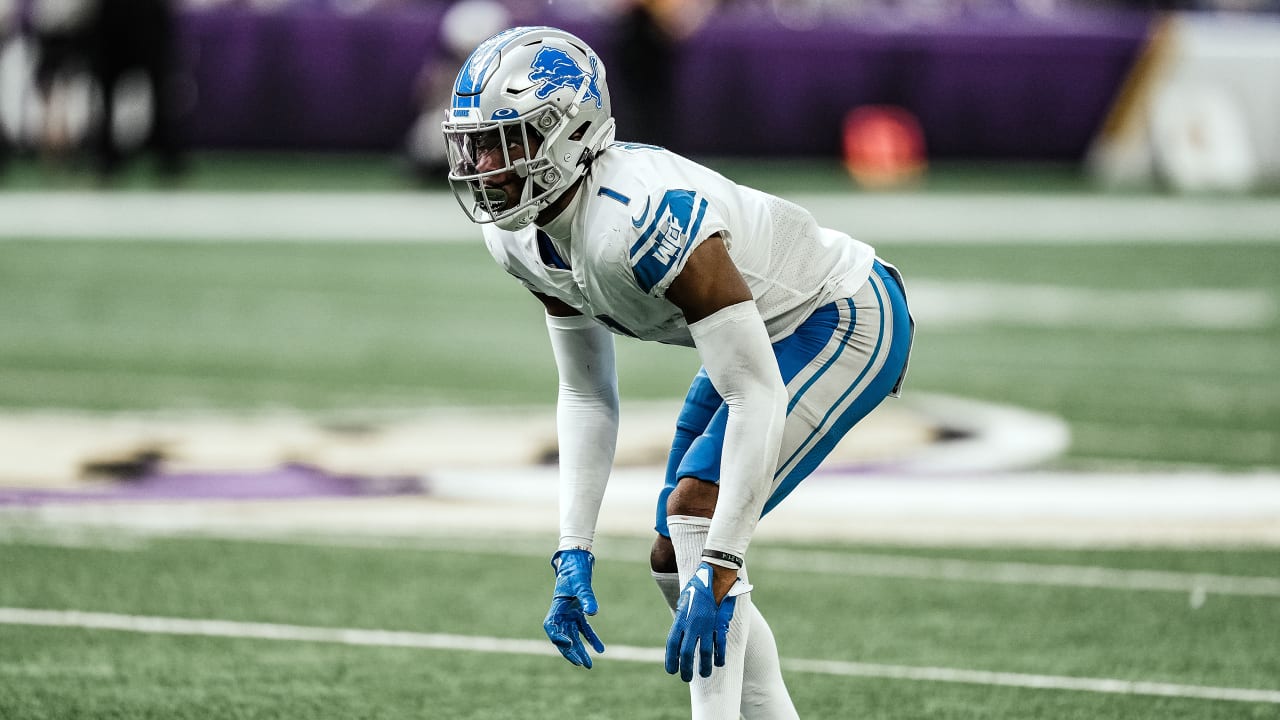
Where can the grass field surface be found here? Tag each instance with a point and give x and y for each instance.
(1161, 354)
(1165, 638)
(147, 325)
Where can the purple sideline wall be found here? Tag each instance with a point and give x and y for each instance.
(995, 87)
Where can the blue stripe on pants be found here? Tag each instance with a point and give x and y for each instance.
(699, 438)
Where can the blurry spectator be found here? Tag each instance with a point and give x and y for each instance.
(8, 31)
(61, 29)
(136, 36)
(649, 33)
(464, 25)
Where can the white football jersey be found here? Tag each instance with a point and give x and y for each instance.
(642, 210)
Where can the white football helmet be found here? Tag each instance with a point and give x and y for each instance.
(530, 110)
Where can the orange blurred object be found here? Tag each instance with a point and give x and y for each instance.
(883, 146)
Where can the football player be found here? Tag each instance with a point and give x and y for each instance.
(801, 331)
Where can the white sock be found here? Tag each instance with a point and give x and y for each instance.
(764, 695)
(718, 697)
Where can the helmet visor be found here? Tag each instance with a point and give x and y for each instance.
(490, 164)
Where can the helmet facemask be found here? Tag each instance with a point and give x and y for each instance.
(516, 149)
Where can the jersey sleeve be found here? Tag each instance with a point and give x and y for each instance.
(671, 226)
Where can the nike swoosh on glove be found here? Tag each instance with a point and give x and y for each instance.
(573, 600)
(701, 625)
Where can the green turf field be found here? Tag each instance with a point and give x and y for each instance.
(143, 325)
(91, 324)
(120, 325)
(1227, 641)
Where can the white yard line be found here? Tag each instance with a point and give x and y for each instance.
(625, 653)
(434, 217)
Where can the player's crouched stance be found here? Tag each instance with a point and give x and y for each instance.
(801, 331)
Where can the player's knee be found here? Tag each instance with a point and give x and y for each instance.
(693, 497)
(662, 558)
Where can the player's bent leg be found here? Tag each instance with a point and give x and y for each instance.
(662, 556)
(663, 568)
(838, 366)
(761, 692)
(701, 405)
(863, 362)
(764, 694)
(692, 497)
(718, 697)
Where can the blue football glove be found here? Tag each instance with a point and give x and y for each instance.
(573, 600)
(700, 624)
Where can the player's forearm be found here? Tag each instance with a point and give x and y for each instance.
(586, 422)
(588, 433)
(738, 357)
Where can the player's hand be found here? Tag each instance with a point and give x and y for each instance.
(701, 625)
(573, 600)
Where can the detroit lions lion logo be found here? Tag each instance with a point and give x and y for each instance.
(555, 70)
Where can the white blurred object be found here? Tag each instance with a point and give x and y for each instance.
(468, 23)
(68, 111)
(131, 123)
(1200, 108)
(61, 15)
(1200, 139)
(8, 15)
(464, 25)
(17, 70)
(57, 119)
(205, 4)
(425, 143)
(269, 5)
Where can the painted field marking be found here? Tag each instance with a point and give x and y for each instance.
(625, 653)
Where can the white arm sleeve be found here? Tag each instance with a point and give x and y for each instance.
(586, 422)
(736, 352)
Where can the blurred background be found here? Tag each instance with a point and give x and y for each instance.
(248, 341)
(229, 220)
(237, 209)
(1178, 94)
